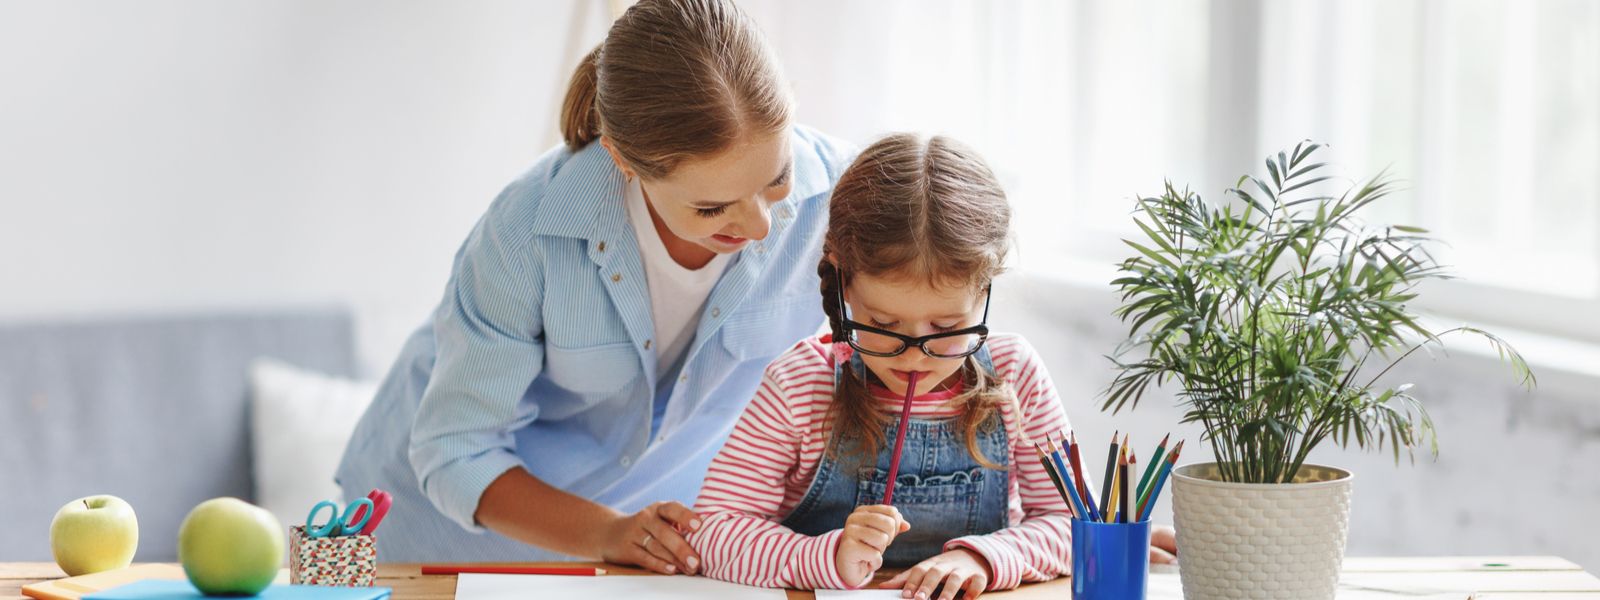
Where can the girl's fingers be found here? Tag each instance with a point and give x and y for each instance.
(879, 522)
(1161, 557)
(678, 515)
(887, 511)
(975, 586)
(667, 543)
(896, 581)
(870, 538)
(1165, 538)
(952, 584)
(930, 580)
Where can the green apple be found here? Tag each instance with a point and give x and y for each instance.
(229, 546)
(94, 534)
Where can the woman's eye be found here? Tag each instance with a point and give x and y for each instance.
(711, 212)
(784, 180)
(879, 325)
(944, 328)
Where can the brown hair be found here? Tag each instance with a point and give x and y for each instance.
(914, 207)
(675, 79)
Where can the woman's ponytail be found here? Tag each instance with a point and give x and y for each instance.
(580, 120)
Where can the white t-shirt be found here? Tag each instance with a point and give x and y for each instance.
(677, 294)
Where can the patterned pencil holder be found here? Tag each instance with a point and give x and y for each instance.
(348, 560)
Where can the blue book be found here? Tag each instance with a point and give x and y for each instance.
(168, 589)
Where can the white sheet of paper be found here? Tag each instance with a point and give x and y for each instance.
(858, 594)
(481, 586)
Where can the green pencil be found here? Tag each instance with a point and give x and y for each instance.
(1150, 469)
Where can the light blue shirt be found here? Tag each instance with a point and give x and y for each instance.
(539, 356)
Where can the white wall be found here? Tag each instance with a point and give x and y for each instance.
(170, 155)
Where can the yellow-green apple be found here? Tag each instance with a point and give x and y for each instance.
(229, 546)
(94, 534)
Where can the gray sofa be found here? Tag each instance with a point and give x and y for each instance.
(154, 410)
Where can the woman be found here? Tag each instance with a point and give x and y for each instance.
(609, 317)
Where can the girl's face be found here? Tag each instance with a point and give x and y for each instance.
(912, 307)
(721, 202)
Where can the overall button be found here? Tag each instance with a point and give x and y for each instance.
(626, 461)
(615, 277)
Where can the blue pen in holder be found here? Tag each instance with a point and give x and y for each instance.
(1110, 560)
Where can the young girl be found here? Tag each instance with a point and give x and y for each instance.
(918, 230)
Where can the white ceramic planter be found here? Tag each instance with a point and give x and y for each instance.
(1239, 541)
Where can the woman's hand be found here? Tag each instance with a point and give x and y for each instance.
(867, 534)
(653, 538)
(960, 570)
(1163, 545)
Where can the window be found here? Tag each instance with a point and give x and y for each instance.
(1488, 111)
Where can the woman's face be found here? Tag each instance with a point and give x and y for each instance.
(721, 202)
(912, 307)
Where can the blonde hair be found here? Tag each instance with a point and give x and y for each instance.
(914, 207)
(675, 79)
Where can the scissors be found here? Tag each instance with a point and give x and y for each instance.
(360, 516)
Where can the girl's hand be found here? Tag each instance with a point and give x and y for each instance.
(653, 538)
(867, 534)
(960, 570)
(1163, 545)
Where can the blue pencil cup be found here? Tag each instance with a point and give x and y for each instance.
(1110, 560)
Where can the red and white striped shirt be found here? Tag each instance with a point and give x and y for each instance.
(773, 453)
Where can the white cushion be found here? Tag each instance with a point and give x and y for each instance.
(300, 423)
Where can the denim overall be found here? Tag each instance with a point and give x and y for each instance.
(940, 490)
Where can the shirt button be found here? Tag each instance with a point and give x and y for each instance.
(661, 438)
(683, 378)
(626, 461)
(615, 277)
(715, 312)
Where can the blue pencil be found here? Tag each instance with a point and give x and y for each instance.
(1161, 479)
(1072, 491)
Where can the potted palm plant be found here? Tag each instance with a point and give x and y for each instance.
(1278, 316)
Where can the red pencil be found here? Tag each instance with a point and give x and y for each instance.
(1077, 473)
(899, 440)
(506, 570)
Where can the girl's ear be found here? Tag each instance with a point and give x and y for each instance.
(617, 158)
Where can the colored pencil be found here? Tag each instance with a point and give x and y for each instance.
(1150, 469)
(508, 570)
(1068, 492)
(899, 440)
(1123, 468)
(1076, 458)
(1161, 480)
(1111, 501)
(1055, 477)
(1106, 506)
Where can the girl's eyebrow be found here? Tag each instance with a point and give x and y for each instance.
(882, 313)
(711, 205)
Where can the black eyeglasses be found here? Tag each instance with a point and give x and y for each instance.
(884, 343)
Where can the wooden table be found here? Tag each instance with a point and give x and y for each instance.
(1475, 578)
